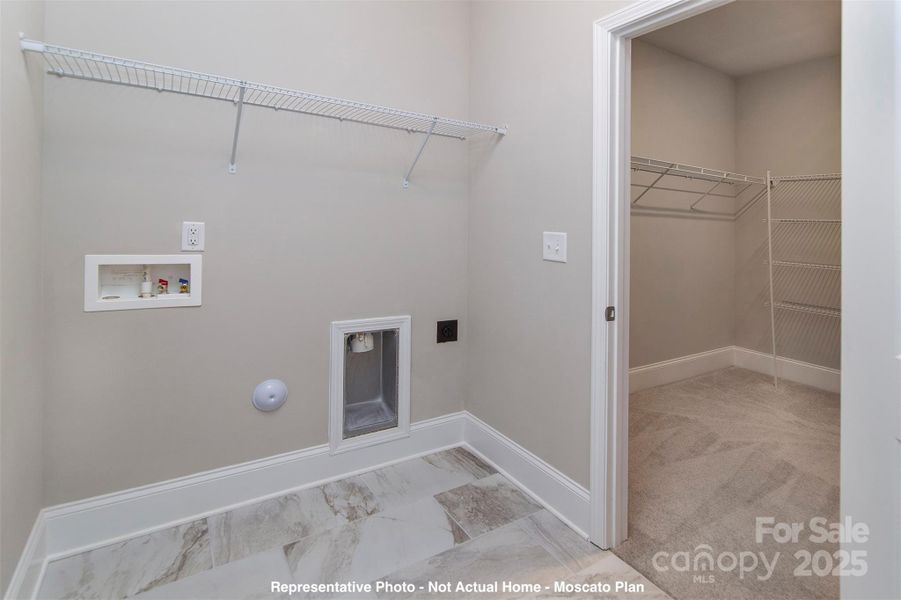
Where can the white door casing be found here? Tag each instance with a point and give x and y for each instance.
(610, 255)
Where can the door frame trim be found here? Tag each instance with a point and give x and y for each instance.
(610, 255)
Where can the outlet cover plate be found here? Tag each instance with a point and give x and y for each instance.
(193, 236)
(554, 246)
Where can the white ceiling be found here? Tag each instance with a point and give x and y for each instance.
(748, 36)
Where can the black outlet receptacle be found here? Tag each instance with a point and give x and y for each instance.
(447, 331)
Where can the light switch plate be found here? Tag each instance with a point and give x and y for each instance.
(193, 236)
(554, 246)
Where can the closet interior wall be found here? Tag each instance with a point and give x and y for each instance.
(682, 284)
(699, 284)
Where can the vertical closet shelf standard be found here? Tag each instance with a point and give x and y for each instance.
(799, 225)
(91, 66)
(804, 227)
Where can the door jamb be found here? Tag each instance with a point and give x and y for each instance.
(610, 256)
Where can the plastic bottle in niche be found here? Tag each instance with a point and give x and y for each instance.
(146, 286)
(163, 287)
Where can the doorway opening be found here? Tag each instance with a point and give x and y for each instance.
(717, 238)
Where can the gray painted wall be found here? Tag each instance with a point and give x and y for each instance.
(682, 287)
(314, 228)
(530, 320)
(21, 395)
(789, 119)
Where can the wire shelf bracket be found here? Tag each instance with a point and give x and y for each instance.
(813, 309)
(232, 166)
(92, 66)
(406, 183)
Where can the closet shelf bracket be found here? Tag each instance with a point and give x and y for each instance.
(428, 135)
(232, 166)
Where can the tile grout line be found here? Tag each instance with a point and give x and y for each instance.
(209, 546)
(540, 545)
(546, 539)
(451, 517)
(209, 531)
(283, 551)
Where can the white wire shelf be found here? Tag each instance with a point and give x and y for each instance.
(804, 265)
(92, 66)
(800, 221)
(703, 184)
(692, 172)
(818, 177)
(809, 308)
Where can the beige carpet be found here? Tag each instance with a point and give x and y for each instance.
(710, 454)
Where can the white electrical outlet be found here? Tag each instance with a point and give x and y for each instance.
(192, 236)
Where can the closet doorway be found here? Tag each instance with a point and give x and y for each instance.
(723, 406)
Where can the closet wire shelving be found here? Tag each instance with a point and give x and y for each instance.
(697, 188)
(801, 238)
(804, 255)
(92, 66)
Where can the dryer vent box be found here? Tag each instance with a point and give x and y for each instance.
(370, 382)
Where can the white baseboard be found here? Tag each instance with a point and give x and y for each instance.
(561, 495)
(79, 526)
(822, 378)
(683, 367)
(676, 369)
(85, 524)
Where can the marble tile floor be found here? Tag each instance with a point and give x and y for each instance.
(444, 517)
